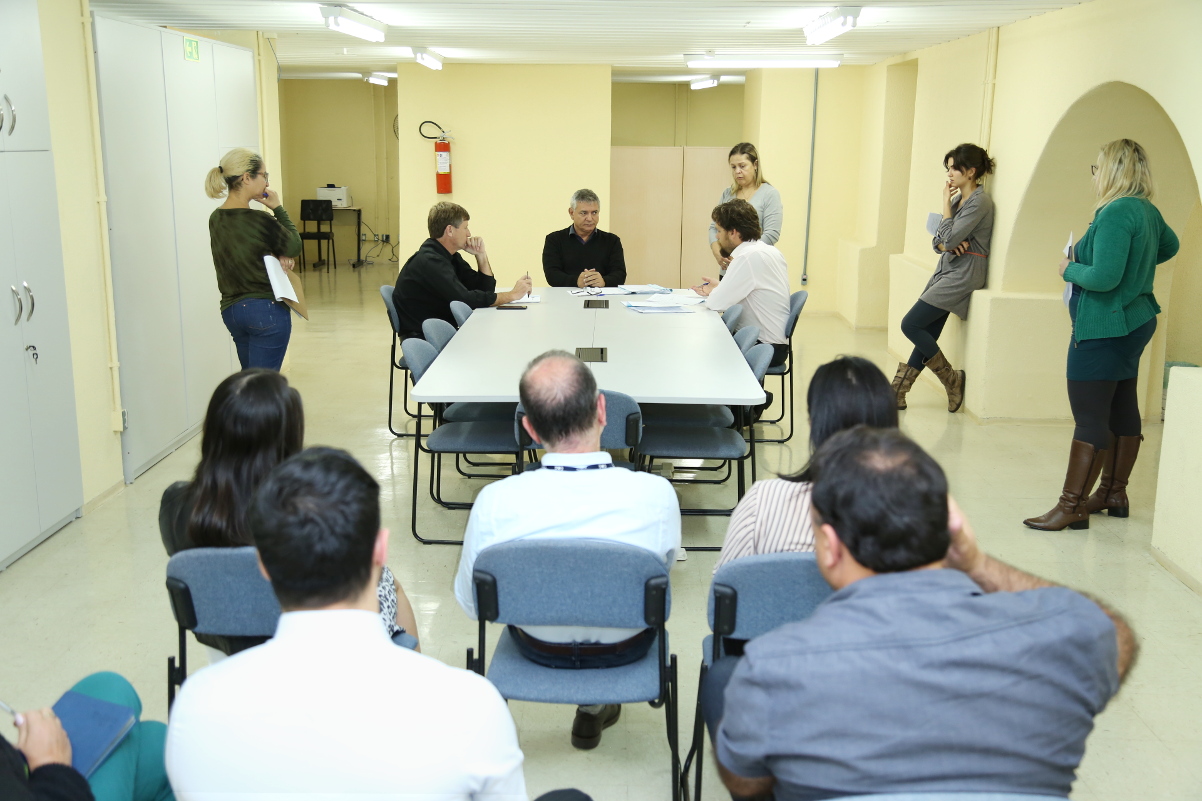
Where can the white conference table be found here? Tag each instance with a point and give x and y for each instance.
(654, 358)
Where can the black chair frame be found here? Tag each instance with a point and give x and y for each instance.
(726, 612)
(185, 618)
(308, 215)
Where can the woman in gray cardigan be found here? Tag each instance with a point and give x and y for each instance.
(749, 185)
(962, 242)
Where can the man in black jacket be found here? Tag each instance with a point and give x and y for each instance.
(581, 255)
(436, 274)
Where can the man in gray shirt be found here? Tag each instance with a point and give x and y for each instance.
(932, 667)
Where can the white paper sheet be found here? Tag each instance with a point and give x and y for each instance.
(658, 308)
(594, 291)
(1068, 287)
(643, 289)
(281, 287)
(934, 219)
(526, 299)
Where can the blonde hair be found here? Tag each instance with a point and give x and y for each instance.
(229, 172)
(1123, 171)
(747, 149)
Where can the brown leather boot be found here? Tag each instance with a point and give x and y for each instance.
(953, 380)
(1084, 464)
(902, 382)
(1111, 495)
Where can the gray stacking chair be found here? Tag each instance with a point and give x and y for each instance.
(749, 597)
(437, 332)
(460, 311)
(731, 317)
(492, 437)
(757, 359)
(623, 427)
(576, 582)
(746, 338)
(395, 363)
(217, 591)
(797, 302)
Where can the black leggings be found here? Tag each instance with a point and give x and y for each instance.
(922, 325)
(1102, 408)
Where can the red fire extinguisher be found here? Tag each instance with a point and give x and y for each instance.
(442, 156)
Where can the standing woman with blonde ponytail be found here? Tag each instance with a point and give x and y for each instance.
(241, 237)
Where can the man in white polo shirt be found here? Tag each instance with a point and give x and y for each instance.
(757, 277)
(577, 493)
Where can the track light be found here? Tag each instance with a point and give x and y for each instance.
(378, 80)
(704, 83)
(831, 24)
(427, 59)
(352, 23)
(753, 62)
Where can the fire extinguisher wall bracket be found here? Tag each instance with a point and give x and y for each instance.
(442, 156)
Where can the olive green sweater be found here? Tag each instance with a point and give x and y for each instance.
(240, 239)
(1115, 265)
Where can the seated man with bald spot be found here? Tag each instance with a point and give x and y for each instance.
(577, 493)
(583, 255)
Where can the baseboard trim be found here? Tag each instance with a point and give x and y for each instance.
(91, 505)
(1179, 573)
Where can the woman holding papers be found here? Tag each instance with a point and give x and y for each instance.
(1113, 311)
(961, 239)
(241, 237)
(747, 183)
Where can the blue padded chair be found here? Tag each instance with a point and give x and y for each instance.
(493, 437)
(758, 359)
(437, 332)
(732, 316)
(460, 311)
(748, 597)
(567, 582)
(623, 427)
(395, 363)
(217, 591)
(746, 337)
(797, 302)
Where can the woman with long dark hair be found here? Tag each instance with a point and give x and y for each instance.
(1113, 310)
(254, 421)
(774, 515)
(962, 242)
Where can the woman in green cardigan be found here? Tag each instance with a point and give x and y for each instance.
(1114, 313)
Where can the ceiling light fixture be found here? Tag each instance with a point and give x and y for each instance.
(353, 23)
(427, 59)
(704, 83)
(754, 62)
(378, 80)
(836, 21)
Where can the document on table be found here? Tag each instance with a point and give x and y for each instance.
(658, 308)
(1068, 287)
(934, 220)
(526, 299)
(643, 289)
(672, 300)
(593, 291)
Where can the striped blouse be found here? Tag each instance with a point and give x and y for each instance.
(773, 516)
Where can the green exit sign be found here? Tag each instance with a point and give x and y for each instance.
(191, 49)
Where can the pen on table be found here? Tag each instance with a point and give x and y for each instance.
(16, 715)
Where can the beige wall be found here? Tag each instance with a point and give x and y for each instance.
(67, 52)
(1175, 541)
(520, 150)
(667, 115)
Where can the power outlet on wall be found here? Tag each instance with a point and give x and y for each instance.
(387, 238)
(376, 237)
(362, 237)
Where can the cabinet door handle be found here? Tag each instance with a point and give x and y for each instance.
(29, 292)
(12, 110)
(20, 304)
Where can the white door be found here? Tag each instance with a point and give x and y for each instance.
(133, 112)
(37, 256)
(26, 123)
(18, 489)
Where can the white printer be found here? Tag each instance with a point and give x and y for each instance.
(340, 195)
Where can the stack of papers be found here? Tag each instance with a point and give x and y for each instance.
(643, 289)
(657, 308)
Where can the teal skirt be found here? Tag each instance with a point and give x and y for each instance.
(1108, 358)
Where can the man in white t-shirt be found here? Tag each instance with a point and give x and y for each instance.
(330, 708)
(577, 493)
(757, 278)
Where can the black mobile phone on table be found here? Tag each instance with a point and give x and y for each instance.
(507, 308)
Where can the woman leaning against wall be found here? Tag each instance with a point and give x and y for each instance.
(1113, 311)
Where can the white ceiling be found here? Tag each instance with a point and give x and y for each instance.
(636, 37)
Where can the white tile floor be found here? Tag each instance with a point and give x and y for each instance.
(92, 596)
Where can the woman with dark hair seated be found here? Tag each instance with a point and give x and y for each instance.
(254, 422)
(774, 515)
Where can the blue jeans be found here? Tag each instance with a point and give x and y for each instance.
(261, 329)
(135, 770)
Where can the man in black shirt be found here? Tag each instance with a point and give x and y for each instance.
(436, 274)
(581, 255)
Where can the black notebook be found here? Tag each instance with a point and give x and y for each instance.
(94, 728)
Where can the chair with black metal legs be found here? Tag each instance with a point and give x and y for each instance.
(797, 302)
(460, 311)
(748, 597)
(490, 437)
(396, 363)
(567, 582)
(318, 211)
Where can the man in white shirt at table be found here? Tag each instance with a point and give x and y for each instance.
(577, 493)
(330, 707)
(757, 277)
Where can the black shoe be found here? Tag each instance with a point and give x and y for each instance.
(586, 729)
